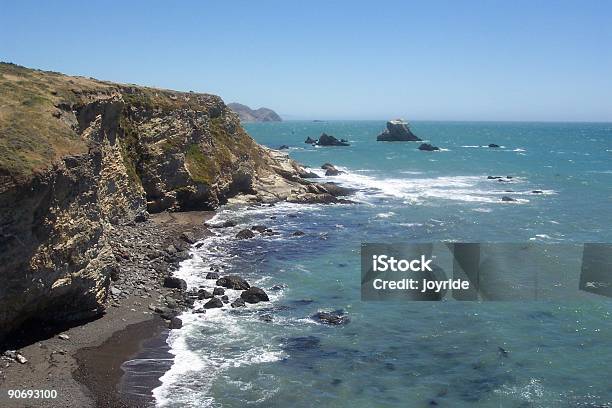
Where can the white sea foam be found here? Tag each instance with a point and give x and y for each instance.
(221, 325)
(421, 190)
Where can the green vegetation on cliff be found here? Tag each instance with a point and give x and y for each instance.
(43, 115)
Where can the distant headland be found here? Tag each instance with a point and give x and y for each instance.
(254, 115)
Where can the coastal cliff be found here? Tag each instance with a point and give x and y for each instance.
(79, 157)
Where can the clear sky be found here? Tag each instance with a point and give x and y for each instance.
(431, 60)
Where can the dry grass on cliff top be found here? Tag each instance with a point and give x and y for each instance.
(33, 131)
(30, 136)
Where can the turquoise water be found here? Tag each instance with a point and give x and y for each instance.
(406, 354)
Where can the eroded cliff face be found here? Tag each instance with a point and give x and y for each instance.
(78, 156)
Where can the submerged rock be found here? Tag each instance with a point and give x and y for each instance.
(245, 234)
(397, 131)
(218, 291)
(335, 318)
(283, 147)
(328, 140)
(254, 295)
(493, 145)
(233, 282)
(310, 140)
(212, 275)
(428, 147)
(266, 318)
(301, 343)
(507, 199)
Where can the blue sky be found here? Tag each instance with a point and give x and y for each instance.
(435, 60)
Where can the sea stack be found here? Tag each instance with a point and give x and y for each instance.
(397, 130)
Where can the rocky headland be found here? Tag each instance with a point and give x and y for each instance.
(97, 184)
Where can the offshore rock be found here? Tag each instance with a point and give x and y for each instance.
(327, 140)
(428, 147)
(397, 131)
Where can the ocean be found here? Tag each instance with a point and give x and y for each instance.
(409, 354)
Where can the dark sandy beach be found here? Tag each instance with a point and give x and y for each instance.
(85, 367)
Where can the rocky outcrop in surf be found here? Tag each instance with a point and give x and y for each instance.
(397, 131)
(328, 140)
(428, 147)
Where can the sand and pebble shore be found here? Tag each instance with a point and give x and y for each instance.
(83, 363)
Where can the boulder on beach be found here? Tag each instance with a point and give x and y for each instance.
(175, 283)
(397, 131)
(233, 282)
(310, 140)
(254, 295)
(428, 147)
(245, 234)
(328, 140)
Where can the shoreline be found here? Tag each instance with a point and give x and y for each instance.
(102, 369)
(83, 363)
